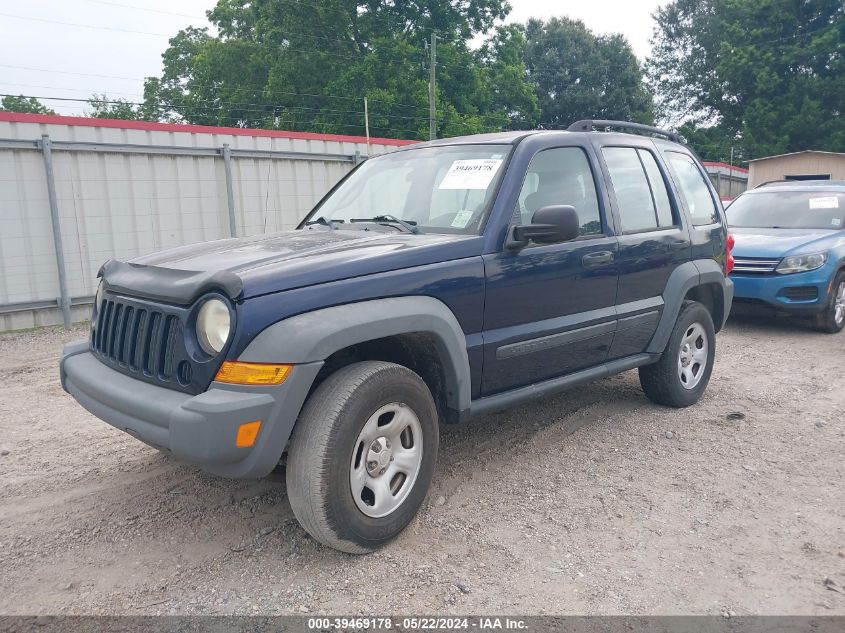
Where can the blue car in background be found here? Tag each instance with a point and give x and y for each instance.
(789, 250)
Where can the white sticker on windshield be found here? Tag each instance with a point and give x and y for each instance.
(830, 202)
(836, 222)
(462, 219)
(476, 173)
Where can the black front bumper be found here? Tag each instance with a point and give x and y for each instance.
(196, 428)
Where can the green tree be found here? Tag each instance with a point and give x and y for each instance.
(503, 57)
(29, 105)
(102, 107)
(578, 74)
(308, 66)
(767, 73)
(713, 142)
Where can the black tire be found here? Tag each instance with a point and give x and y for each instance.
(323, 445)
(826, 321)
(661, 381)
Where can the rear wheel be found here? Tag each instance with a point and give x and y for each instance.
(681, 375)
(832, 319)
(362, 456)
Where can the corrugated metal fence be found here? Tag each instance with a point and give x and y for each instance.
(75, 192)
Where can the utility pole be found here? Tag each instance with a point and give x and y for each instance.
(367, 124)
(432, 108)
(731, 175)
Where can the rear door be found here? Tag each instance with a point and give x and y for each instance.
(653, 241)
(708, 232)
(550, 307)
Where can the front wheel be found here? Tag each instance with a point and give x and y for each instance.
(362, 456)
(832, 320)
(681, 375)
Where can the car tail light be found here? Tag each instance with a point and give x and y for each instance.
(729, 260)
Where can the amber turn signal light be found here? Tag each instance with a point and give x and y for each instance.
(237, 373)
(247, 434)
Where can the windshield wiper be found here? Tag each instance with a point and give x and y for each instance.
(390, 220)
(324, 222)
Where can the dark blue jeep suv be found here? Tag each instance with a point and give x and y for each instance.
(435, 283)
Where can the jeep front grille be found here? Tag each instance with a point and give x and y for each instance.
(754, 265)
(136, 338)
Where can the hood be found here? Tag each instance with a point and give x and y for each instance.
(286, 260)
(777, 243)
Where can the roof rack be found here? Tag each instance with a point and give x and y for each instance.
(587, 125)
(797, 182)
(768, 182)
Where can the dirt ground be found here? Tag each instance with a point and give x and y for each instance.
(592, 502)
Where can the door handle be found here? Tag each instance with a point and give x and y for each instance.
(679, 244)
(597, 259)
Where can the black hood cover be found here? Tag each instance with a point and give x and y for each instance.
(170, 285)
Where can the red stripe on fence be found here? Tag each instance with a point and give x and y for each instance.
(50, 119)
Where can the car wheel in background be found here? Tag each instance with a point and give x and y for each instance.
(681, 375)
(362, 455)
(832, 319)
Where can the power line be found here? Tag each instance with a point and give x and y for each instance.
(159, 104)
(148, 10)
(211, 103)
(262, 107)
(276, 118)
(211, 109)
(193, 86)
(65, 72)
(169, 35)
(79, 25)
(89, 91)
(242, 89)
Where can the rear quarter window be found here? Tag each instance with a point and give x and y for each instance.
(693, 187)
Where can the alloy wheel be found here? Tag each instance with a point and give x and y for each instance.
(839, 304)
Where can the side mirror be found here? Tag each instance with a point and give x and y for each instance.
(552, 224)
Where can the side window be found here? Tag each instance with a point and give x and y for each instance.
(561, 176)
(658, 189)
(640, 190)
(693, 188)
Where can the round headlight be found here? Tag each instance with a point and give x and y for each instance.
(213, 326)
(98, 298)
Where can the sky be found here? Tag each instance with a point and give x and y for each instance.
(74, 48)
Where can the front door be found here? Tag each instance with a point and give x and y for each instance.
(550, 307)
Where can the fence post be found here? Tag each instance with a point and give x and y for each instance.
(64, 298)
(230, 190)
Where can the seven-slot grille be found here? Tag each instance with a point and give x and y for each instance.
(140, 339)
(755, 265)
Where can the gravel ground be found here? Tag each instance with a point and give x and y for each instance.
(592, 502)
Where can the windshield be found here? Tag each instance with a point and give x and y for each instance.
(789, 210)
(434, 189)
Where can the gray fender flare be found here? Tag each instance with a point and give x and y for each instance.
(314, 336)
(682, 280)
